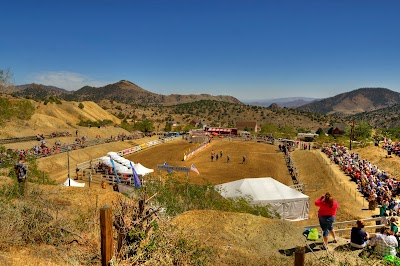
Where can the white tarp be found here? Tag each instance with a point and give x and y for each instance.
(289, 203)
(72, 183)
(141, 170)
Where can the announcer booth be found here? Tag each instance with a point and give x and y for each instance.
(221, 131)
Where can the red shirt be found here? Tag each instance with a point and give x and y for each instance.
(325, 209)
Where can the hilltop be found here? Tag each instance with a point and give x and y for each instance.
(123, 91)
(356, 101)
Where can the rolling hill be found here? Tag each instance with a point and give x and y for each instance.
(123, 91)
(353, 102)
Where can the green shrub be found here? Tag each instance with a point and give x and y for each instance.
(24, 109)
(81, 106)
(178, 197)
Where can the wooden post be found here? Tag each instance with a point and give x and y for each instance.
(299, 256)
(106, 235)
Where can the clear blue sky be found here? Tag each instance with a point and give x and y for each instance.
(247, 49)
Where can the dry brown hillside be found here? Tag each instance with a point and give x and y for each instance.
(56, 117)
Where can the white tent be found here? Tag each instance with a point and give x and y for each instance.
(289, 203)
(121, 169)
(141, 170)
(72, 183)
(106, 160)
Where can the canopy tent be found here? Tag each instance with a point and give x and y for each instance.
(289, 203)
(126, 162)
(106, 160)
(141, 170)
(121, 169)
(71, 183)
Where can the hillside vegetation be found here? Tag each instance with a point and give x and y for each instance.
(123, 91)
(356, 101)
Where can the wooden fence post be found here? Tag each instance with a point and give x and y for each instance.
(299, 256)
(106, 235)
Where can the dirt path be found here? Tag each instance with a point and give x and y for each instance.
(321, 177)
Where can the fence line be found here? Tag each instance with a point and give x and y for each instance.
(342, 227)
(198, 149)
(122, 153)
(335, 177)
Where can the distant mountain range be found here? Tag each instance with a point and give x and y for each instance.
(362, 103)
(289, 102)
(122, 91)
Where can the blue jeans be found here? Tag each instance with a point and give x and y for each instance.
(326, 223)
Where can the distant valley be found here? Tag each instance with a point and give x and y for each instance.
(289, 102)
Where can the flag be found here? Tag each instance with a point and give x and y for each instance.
(194, 169)
(115, 171)
(136, 178)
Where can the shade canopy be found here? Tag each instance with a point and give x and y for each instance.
(289, 203)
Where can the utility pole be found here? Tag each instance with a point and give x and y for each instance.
(351, 133)
(69, 177)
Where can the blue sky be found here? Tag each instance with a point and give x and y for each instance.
(247, 49)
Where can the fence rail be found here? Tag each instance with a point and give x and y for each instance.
(91, 163)
(342, 227)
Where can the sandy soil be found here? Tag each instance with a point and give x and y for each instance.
(262, 160)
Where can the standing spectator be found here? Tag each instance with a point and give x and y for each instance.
(359, 237)
(326, 215)
(76, 133)
(384, 242)
(244, 159)
(220, 154)
(228, 158)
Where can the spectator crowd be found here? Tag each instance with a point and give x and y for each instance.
(378, 186)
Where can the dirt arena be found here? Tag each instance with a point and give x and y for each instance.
(262, 160)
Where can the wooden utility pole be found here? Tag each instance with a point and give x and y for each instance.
(351, 134)
(106, 235)
(299, 256)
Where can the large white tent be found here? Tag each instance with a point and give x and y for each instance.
(289, 203)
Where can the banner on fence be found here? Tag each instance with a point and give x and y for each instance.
(173, 168)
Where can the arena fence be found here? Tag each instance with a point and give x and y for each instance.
(90, 164)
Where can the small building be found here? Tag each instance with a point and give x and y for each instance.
(306, 136)
(221, 131)
(248, 126)
(337, 129)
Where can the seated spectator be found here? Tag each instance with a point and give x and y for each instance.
(394, 226)
(384, 243)
(359, 237)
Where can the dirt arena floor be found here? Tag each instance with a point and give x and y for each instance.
(262, 160)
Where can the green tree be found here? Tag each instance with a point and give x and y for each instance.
(167, 127)
(362, 131)
(81, 106)
(145, 126)
(269, 128)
